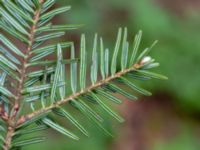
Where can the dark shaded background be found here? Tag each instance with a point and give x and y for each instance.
(170, 119)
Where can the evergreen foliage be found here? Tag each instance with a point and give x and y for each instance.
(35, 90)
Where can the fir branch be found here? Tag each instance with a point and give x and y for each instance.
(30, 23)
(28, 117)
(12, 120)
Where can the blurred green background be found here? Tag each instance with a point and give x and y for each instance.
(170, 120)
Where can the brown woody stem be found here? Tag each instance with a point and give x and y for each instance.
(8, 139)
(13, 119)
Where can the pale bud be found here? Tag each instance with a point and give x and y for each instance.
(145, 60)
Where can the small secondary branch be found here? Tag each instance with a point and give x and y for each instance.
(25, 118)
